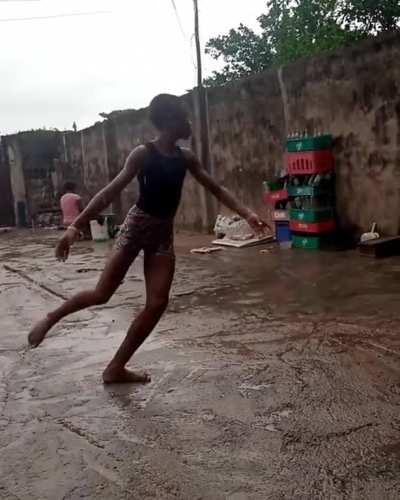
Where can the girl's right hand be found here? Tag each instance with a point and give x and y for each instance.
(65, 243)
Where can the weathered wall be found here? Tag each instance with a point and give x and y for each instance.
(31, 158)
(133, 128)
(128, 130)
(98, 153)
(247, 129)
(102, 150)
(7, 217)
(71, 157)
(17, 180)
(95, 168)
(353, 93)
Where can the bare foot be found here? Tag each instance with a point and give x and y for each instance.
(124, 376)
(38, 332)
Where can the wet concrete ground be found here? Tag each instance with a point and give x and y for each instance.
(274, 376)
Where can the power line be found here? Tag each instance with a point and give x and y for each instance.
(182, 29)
(55, 16)
(179, 20)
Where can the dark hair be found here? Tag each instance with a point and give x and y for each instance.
(164, 107)
(69, 187)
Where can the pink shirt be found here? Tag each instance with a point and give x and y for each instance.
(70, 207)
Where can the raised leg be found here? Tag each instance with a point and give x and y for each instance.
(114, 272)
(159, 273)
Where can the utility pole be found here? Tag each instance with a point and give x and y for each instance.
(202, 98)
(203, 115)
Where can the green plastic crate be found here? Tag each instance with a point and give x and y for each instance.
(308, 191)
(309, 242)
(272, 186)
(309, 143)
(311, 214)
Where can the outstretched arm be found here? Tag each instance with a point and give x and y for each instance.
(101, 200)
(222, 194)
(104, 197)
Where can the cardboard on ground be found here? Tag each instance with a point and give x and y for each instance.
(229, 242)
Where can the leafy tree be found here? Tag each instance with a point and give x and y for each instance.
(371, 16)
(298, 28)
(303, 29)
(243, 51)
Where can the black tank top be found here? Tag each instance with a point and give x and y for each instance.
(160, 183)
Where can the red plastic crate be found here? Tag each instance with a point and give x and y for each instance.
(298, 226)
(310, 162)
(272, 197)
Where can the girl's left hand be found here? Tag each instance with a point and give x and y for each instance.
(257, 224)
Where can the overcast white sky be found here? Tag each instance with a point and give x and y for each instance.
(57, 71)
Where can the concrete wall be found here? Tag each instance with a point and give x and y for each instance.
(71, 158)
(128, 130)
(7, 213)
(95, 168)
(247, 130)
(17, 183)
(353, 93)
(101, 154)
(34, 181)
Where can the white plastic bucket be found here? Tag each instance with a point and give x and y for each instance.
(99, 232)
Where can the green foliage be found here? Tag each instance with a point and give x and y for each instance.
(243, 51)
(371, 16)
(303, 28)
(297, 28)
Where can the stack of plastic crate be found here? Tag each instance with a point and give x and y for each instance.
(311, 190)
(276, 197)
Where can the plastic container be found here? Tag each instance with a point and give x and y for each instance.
(309, 143)
(306, 241)
(311, 214)
(282, 231)
(272, 185)
(272, 197)
(281, 215)
(309, 162)
(308, 191)
(99, 231)
(285, 245)
(312, 227)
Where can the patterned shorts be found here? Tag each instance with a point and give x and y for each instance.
(141, 231)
